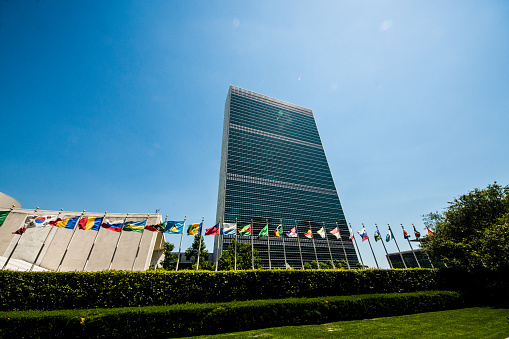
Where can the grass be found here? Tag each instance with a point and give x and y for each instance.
(476, 322)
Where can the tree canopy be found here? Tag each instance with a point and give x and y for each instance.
(244, 258)
(192, 251)
(472, 231)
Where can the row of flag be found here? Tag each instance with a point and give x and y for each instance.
(364, 234)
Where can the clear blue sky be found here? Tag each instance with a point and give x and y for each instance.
(118, 106)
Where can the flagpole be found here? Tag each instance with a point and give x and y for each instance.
(17, 241)
(139, 243)
(314, 248)
(93, 244)
(44, 242)
(118, 240)
(283, 236)
(180, 246)
(218, 236)
(399, 251)
(298, 242)
(382, 241)
(252, 247)
(342, 245)
(328, 245)
(69, 243)
(411, 248)
(268, 242)
(369, 242)
(355, 242)
(420, 243)
(161, 242)
(199, 245)
(236, 238)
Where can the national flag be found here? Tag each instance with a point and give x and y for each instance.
(38, 221)
(430, 232)
(417, 234)
(389, 236)
(335, 232)
(378, 236)
(264, 232)
(115, 226)
(68, 223)
(278, 232)
(214, 230)
(321, 232)
(308, 234)
(174, 227)
(405, 234)
(229, 228)
(351, 237)
(90, 223)
(363, 234)
(193, 229)
(292, 233)
(134, 226)
(156, 228)
(245, 230)
(3, 215)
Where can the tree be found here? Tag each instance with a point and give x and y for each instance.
(170, 259)
(473, 230)
(244, 258)
(204, 254)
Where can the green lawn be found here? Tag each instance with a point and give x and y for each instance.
(477, 322)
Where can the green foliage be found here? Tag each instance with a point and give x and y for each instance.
(192, 251)
(195, 319)
(170, 259)
(244, 258)
(471, 231)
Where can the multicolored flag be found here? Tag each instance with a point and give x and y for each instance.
(321, 232)
(174, 227)
(430, 232)
(68, 223)
(134, 226)
(417, 234)
(308, 234)
(351, 237)
(229, 228)
(214, 230)
(3, 215)
(90, 223)
(292, 233)
(193, 229)
(115, 226)
(278, 232)
(378, 236)
(156, 228)
(264, 232)
(389, 236)
(405, 234)
(363, 234)
(335, 232)
(33, 221)
(245, 230)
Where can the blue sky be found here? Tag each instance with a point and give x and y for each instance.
(118, 106)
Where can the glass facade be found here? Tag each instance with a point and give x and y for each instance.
(274, 171)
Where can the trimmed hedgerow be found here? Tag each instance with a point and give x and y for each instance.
(194, 319)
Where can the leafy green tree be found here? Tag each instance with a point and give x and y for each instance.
(170, 259)
(244, 259)
(473, 230)
(204, 254)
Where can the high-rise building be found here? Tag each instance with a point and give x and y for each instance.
(274, 171)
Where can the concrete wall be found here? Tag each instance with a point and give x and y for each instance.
(61, 249)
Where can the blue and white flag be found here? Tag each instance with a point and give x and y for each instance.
(174, 227)
(229, 228)
(388, 237)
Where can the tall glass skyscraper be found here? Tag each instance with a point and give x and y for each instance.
(274, 171)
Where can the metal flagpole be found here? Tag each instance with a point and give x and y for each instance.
(44, 242)
(392, 234)
(342, 245)
(236, 237)
(17, 241)
(369, 242)
(355, 242)
(283, 236)
(298, 242)
(411, 248)
(139, 243)
(118, 240)
(161, 242)
(268, 242)
(93, 244)
(328, 245)
(420, 243)
(252, 247)
(199, 245)
(217, 248)
(382, 241)
(69, 243)
(180, 246)
(314, 248)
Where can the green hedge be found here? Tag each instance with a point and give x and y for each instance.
(195, 319)
(70, 290)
